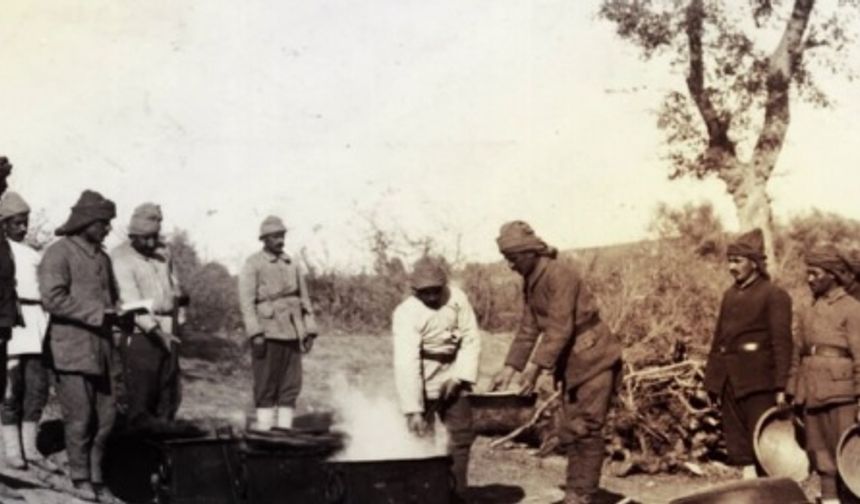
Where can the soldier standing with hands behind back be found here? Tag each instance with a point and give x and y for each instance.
(278, 316)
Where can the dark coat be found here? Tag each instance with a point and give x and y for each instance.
(77, 285)
(759, 316)
(575, 342)
(8, 298)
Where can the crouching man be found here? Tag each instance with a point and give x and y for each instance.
(824, 378)
(436, 351)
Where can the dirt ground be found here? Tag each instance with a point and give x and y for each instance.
(217, 391)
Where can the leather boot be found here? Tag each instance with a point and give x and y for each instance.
(12, 447)
(29, 432)
(265, 419)
(285, 417)
(584, 467)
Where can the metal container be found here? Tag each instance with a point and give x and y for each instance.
(757, 491)
(500, 412)
(280, 478)
(407, 481)
(778, 444)
(199, 471)
(848, 458)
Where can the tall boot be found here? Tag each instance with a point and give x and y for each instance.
(584, 467)
(265, 419)
(12, 447)
(285, 417)
(29, 431)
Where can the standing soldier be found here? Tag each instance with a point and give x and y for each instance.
(747, 366)
(144, 271)
(26, 376)
(825, 368)
(576, 344)
(278, 316)
(436, 351)
(8, 297)
(78, 291)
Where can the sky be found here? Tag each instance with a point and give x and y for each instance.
(440, 119)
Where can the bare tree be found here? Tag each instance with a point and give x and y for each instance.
(733, 117)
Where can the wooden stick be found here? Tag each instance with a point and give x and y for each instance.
(535, 417)
(663, 369)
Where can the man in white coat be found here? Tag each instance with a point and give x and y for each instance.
(436, 350)
(26, 390)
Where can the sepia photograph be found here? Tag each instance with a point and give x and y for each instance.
(448, 252)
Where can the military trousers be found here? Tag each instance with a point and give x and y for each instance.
(88, 411)
(456, 416)
(740, 416)
(824, 426)
(26, 391)
(584, 410)
(149, 373)
(277, 374)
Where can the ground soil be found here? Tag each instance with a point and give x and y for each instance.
(217, 392)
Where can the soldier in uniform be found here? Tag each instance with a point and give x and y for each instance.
(436, 352)
(279, 321)
(79, 292)
(576, 344)
(747, 366)
(824, 379)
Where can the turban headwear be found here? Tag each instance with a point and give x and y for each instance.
(518, 236)
(829, 259)
(272, 225)
(12, 204)
(428, 273)
(91, 207)
(146, 220)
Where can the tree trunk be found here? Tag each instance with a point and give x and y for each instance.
(752, 203)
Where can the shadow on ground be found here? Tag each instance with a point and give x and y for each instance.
(495, 494)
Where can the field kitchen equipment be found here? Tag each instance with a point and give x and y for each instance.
(848, 458)
(757, 491)
(500, 412)
(778, 443)
(283, 466)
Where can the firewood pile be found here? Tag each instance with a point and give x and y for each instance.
(661, 421)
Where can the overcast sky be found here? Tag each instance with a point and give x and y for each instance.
(440, 118)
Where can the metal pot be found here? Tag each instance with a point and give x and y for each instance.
(757, 491)
(777, 440)
(848, 458)
(500, 412)
(407, 481)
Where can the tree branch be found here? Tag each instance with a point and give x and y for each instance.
(716, 123)
(782, 65)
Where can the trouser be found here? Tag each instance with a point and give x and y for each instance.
(456, 416)
(277, 374)
(149, 371)
(88, 416)
(26, 391)
(171, 391)
(740, 416)
(584, 410)
(824, 427)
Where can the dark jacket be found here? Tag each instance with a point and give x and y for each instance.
(77, 285)
(8, 298)
(575, 342)
(752, 343)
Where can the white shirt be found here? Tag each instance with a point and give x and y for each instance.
(450, 331)
(27, 339)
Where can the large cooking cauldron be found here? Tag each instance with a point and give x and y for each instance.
(402, 481)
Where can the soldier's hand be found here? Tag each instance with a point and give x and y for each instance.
(417, 424)
(782, 404)
(258, 346)
(450, 388)
(502, 379)
(308, 343)
(165, 339)
(528, 379)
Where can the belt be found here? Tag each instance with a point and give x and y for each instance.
(35, 302)
(441, 358)
(742, 348)
(823, 350)
(295, 296)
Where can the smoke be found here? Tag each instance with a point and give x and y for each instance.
(377, 429)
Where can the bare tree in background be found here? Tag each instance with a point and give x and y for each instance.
(733, 118)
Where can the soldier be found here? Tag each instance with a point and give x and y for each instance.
(750, 354)
(8, 297)
(279, 321)
(576, 344)
(144, 271)
(824, 379)
(26, 376)
(436, 352)
(78, 291)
